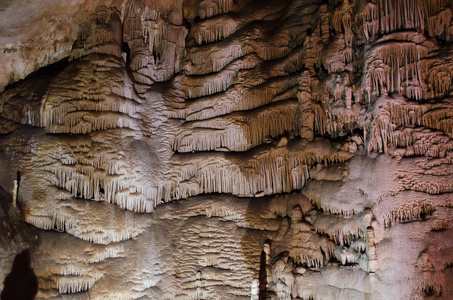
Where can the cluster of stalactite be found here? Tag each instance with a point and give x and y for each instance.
(249, 100)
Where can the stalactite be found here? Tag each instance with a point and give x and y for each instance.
(85, 122)
(85, 179)
(334, 123)
(394, 114)
(65, 222)
(438, 24)
(384, 16)
(239, 99)
(431, 288)
(408, 212)
(104, 37)
(108, 252)
(440, 78)
(211, 8)
(324, 26)
(306, 106)
(230, 133)
(74, 284)
(199, 86)
(213, 30)
(395, 69)
(343, 231)
(282, 170)
(347, 255)
(207, 60)
(156, 45)
(342, 22)
(263, 99)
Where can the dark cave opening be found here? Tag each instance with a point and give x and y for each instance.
(126, 50)
(21, 283)
(262, 276)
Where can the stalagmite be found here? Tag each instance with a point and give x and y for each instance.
(15, 193)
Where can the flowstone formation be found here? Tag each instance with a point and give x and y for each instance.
(220, 149)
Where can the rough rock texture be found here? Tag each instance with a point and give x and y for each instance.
(220, 149)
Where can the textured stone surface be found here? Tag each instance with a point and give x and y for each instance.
(222, 149)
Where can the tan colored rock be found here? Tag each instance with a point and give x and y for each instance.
(217, 149)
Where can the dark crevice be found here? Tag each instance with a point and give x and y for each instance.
(262, 277)
(21, 283)
(126, 50)
(40, 80)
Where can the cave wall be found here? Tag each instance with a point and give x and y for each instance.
(220, 149)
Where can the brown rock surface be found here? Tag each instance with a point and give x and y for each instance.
(219, 149)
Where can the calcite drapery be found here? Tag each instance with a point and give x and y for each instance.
(290, 149)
